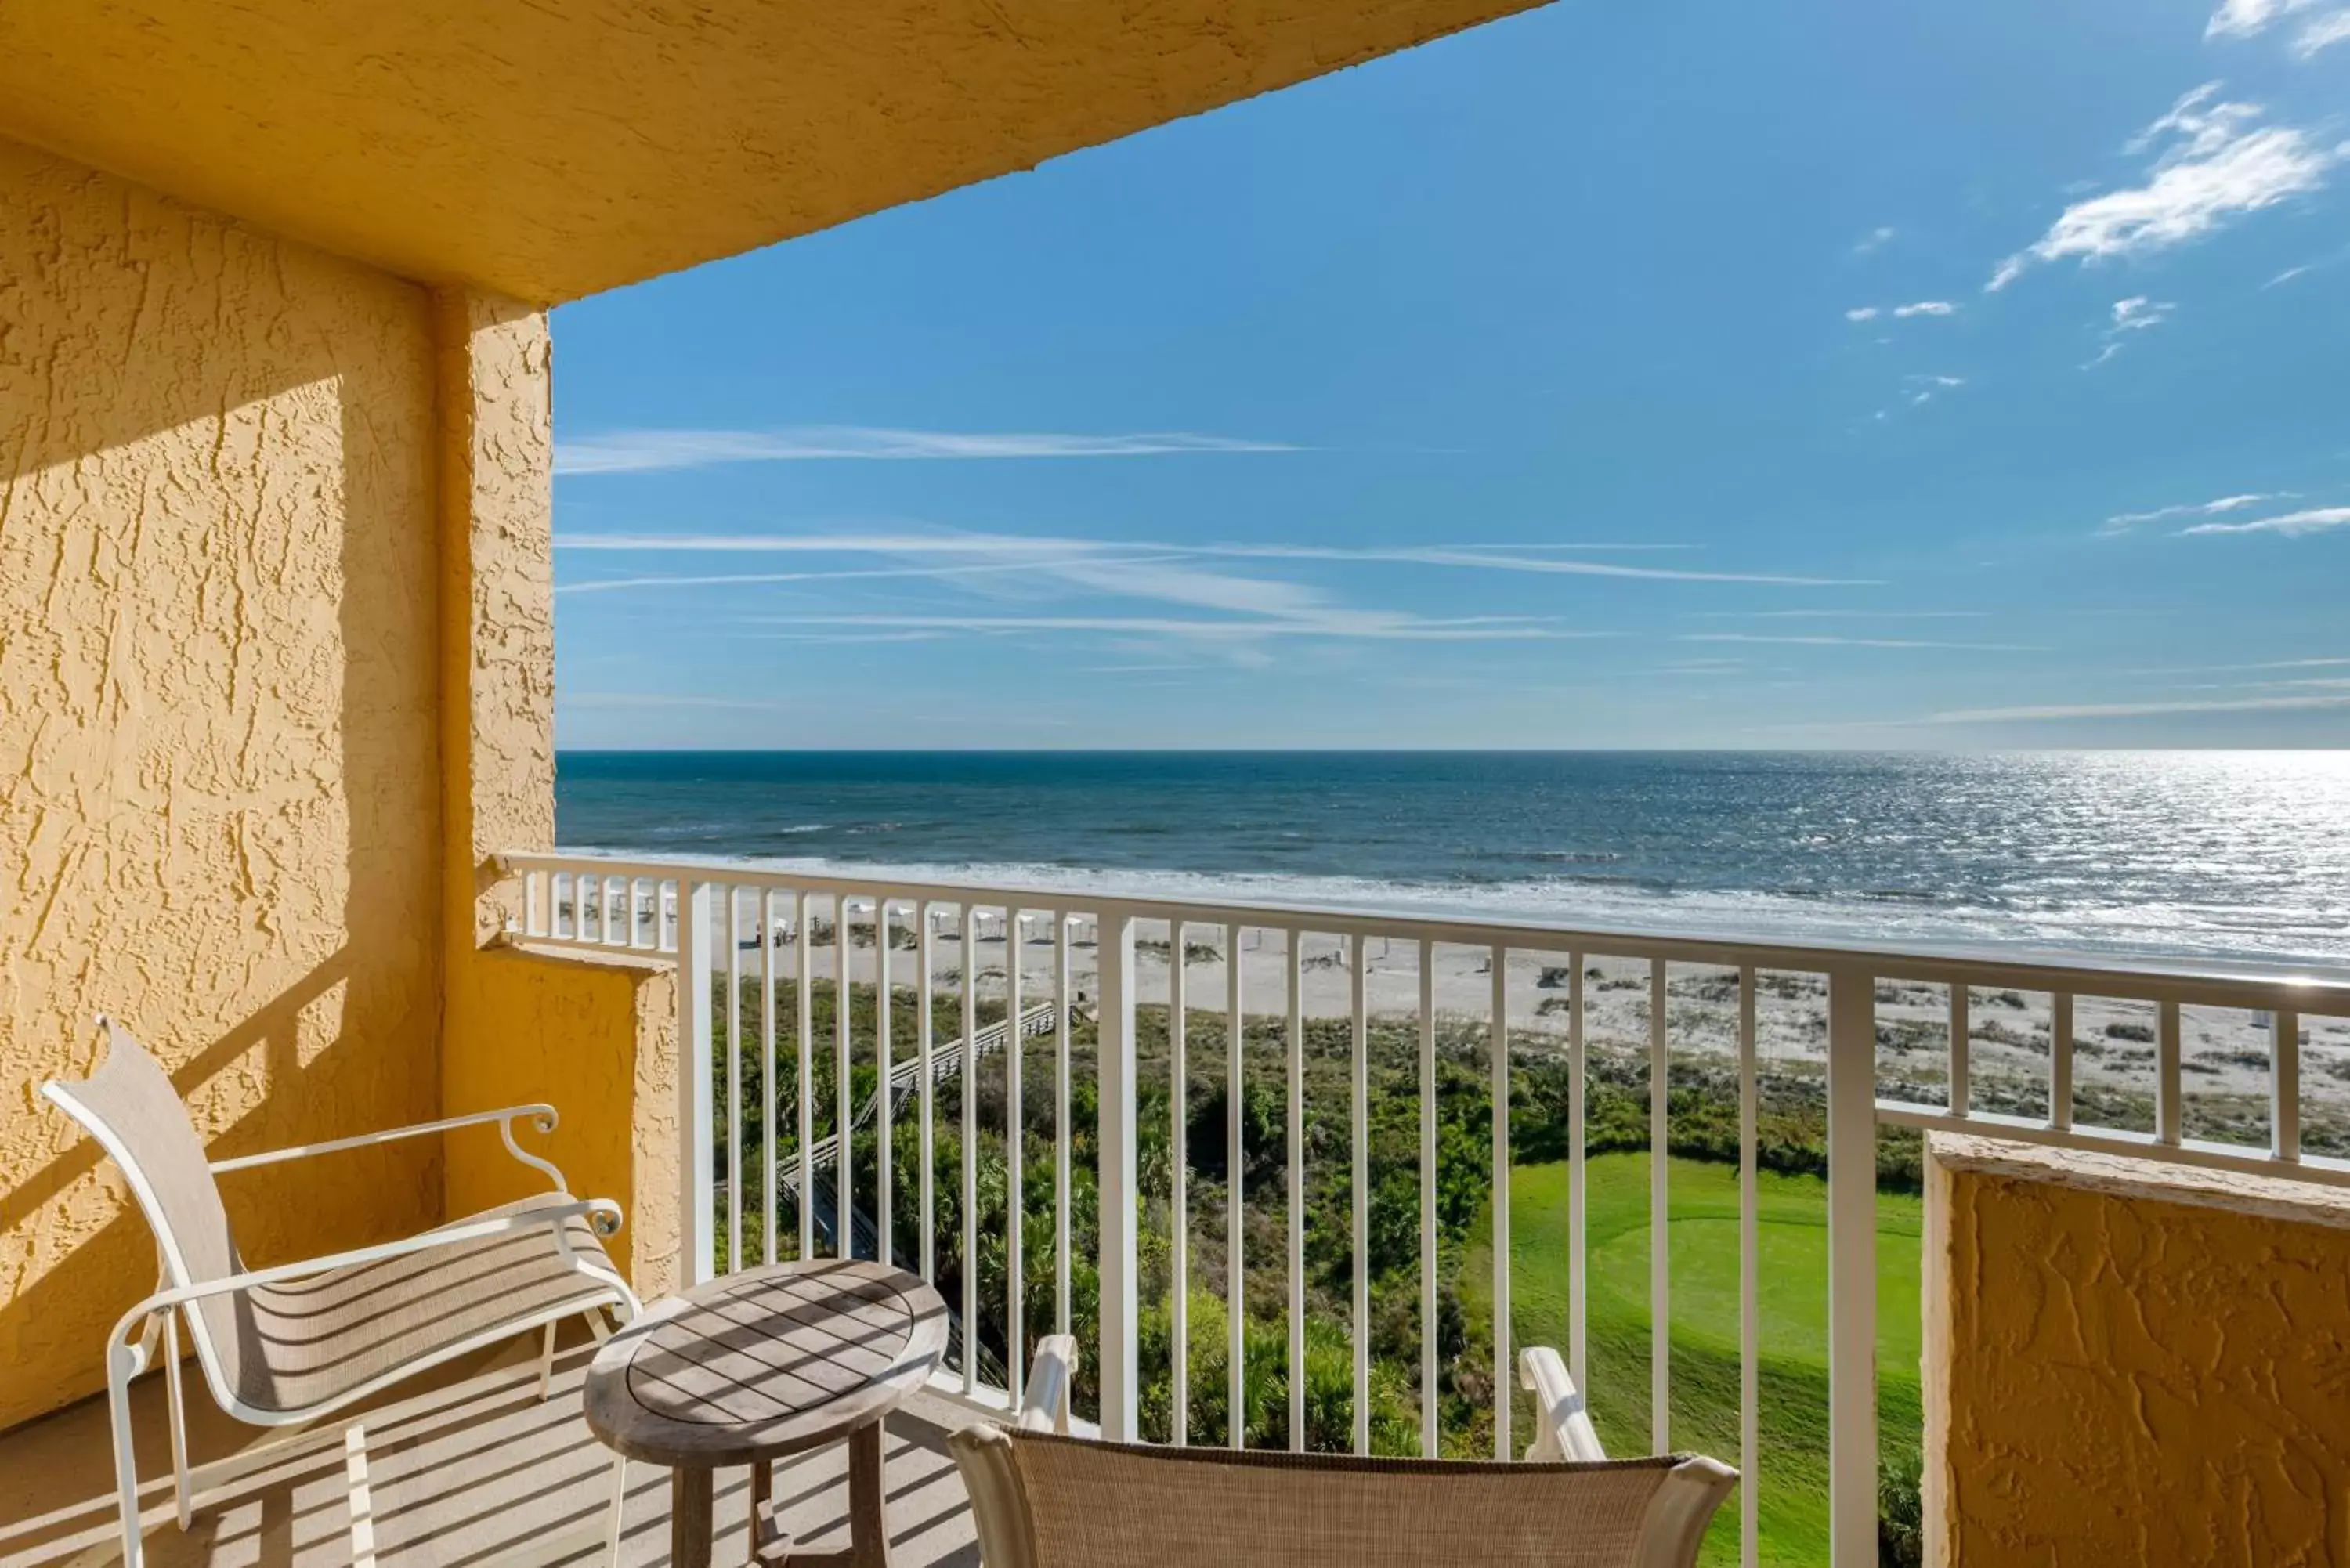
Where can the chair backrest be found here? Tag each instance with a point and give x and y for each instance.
(1049, 1501)
(128, 1104)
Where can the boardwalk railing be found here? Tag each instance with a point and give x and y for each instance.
(2006, 1033)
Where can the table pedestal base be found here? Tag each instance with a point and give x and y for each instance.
(689, 1510)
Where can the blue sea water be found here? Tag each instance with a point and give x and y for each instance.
(2199, 855)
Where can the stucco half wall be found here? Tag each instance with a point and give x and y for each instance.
(2133, 1363)
(217, 705)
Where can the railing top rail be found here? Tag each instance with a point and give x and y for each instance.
(2199, 982)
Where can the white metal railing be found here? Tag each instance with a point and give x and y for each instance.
(721, 916)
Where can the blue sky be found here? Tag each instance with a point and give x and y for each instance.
(1948, 375)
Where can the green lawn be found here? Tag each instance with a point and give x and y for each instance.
(1792, 1372)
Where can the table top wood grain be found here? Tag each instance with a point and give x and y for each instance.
(765, 1363)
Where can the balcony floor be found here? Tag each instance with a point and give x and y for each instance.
(463, 1468)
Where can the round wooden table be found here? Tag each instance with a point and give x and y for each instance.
(755, 1366)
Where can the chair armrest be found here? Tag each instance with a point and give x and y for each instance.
(1673, 1530)
(1564, 1429)
(542, 1117)
(1045, 1408)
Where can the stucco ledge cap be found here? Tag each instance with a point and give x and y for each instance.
(619, 960)
(2150, 1180)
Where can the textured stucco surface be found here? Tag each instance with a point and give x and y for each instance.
(590, 1034)
(2124, 1365)
(547, 150)
(219, 805)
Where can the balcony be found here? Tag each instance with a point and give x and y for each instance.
(1832, 1118)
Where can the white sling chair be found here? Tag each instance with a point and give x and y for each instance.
(1041, 1498)
(284, 1345)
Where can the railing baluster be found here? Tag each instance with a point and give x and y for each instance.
(885, 1065)
(805, 999)
(1498, 1038)
(1179, 1072)
(924, 1064)
(2284, 1084)
(1660, 1262)
(1061, 1128)
(1235, 1203)
(1428, 1434)
(2060, 1060)
(1852, 1268)
(844, 1234)
(1121, 1242)
(2166, 1109)
(1750, 1272)
(1359, 1172)
(1961, 1066)
(1578, 1237)
(970, 1051)
(769, 1100)
(1297, 983)
(734, 896)
(534, 891)
(1015, 1184)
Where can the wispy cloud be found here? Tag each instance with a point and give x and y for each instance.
(2123, 522)
(2322, 34)
(932, 543)
(1377, 626)
(736, 580)
(1876, 239)
(1827, 641)
(2214, 165)
(2136, 314)
(664, 699)
(2232, 669)
(2291, 525)
(1838, 615)
(2244, 19)
(1922, 389)
(1033, 550)
(1902, 312)
(1499, 560)
(2134, 709)
(653, 451)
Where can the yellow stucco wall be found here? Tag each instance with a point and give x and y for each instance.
(218, 691)
(2130, 1364)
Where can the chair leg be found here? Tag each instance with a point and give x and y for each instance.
(546, 1361)
(121, 1363)
(181, 1486)
(619, 1503)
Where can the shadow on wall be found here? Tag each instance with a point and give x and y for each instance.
(218, 701)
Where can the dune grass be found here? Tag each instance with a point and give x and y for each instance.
(1703, 1311)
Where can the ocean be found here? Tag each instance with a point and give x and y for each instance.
(2234, 855)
